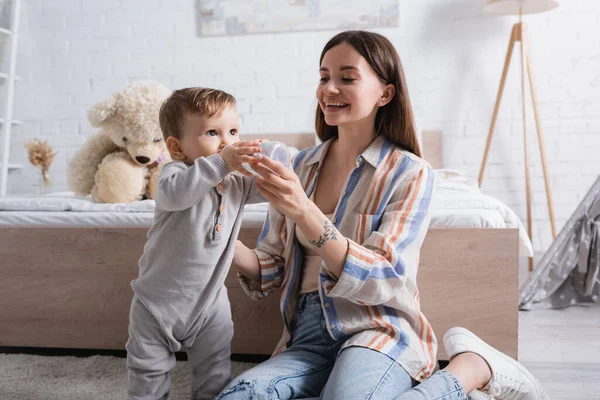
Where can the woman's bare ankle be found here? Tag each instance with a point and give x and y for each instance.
(472, 371)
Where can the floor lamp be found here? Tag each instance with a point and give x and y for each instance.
(519, 34)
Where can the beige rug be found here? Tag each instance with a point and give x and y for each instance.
(32, 377)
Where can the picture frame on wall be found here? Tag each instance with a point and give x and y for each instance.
(241, 17)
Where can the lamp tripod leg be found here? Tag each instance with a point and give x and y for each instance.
(525, 145)
(488, 143)
(542, 149)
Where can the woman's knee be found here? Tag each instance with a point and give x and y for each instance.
(362, 373)
(247, 389)
(238, 390)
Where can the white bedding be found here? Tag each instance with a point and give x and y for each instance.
(459, 203)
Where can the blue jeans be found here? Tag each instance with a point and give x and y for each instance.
(313, 367)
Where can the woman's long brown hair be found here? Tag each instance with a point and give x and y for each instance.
(395, 120)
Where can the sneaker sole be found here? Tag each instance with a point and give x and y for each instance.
(462, 331)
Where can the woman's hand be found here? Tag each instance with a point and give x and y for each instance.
(281, 187)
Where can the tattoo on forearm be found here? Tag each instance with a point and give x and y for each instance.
(329, 232)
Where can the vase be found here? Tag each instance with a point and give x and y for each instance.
(44, 185)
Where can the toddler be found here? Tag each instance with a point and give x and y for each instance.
(180, 301)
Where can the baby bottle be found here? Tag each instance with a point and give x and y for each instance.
(276, 151)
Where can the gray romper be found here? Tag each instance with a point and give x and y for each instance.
(180, 299)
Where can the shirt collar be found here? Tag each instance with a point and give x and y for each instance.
(373, 154)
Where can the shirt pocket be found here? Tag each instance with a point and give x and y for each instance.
(363, 225)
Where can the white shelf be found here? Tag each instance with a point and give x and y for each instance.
(14, 122)
(8, 77)
(13, 166)
(4, 76)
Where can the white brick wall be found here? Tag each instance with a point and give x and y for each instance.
(74, 53)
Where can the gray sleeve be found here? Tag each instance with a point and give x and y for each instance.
(253, 195)
(181, 187)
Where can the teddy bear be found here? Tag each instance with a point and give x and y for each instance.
(121, 162)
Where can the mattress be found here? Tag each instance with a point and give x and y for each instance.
(458, 203)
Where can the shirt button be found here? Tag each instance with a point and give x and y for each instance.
(222, 208)
(326, 305)
(220, 186)
(218, 228)
(332, 326)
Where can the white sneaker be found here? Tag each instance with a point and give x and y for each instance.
(510, 380)
(477, 395)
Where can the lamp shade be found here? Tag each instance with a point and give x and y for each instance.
(513, 6)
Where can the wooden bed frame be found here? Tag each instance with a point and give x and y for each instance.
(70, 287)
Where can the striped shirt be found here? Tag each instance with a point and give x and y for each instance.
(384, 212)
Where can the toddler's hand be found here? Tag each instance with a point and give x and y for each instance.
(238, 153)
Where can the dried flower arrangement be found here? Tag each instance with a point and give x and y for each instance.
(41, 155)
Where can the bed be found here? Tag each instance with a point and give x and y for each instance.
(67, 264)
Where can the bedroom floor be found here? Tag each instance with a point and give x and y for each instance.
(562, 348)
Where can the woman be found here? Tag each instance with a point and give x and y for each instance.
(341, 243)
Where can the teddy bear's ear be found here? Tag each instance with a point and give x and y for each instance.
(102, 111)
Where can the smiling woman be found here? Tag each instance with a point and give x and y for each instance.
(342, 243)
(351, 84)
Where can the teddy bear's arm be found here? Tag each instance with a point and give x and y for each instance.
(84, 164)
(181, 187)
